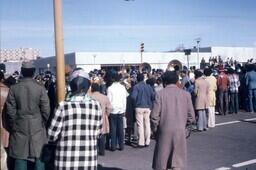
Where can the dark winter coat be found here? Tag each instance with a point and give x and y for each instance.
(27, 113)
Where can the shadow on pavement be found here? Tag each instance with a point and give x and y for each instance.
(100, 167)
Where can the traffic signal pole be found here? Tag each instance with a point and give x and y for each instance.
(59, 51)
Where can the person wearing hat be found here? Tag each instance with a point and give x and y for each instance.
(76, 126)
(27, 112)
(234, 84)
(201, 103)
(223, 84)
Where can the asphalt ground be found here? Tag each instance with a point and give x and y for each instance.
(230, 145)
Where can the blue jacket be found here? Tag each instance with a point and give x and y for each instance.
(143, 95)
(250, 79)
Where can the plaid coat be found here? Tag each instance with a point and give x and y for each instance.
(76, 126)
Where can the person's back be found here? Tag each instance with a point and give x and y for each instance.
(106, 109)
(143, 95)
(177, 111)
(201, 91)
(117, 95)
(27, 95)
(27, 113)
(222, 81)
(76, 126)
(172, 109)
(251, 79)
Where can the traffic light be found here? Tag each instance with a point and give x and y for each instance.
(142, 47)
(187, 51)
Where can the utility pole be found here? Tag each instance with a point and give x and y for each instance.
(59, 51)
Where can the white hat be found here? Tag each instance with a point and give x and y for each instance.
(79, 73)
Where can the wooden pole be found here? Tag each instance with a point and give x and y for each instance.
(59, 51)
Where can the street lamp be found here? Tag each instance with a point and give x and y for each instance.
(187, 53)
(94, 57)
(198, 40)
(141, 52)
(48, 67)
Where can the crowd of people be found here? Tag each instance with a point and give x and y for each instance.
(106, 109)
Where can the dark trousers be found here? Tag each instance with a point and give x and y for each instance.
(101, 144)
(116, 131)
(223, 99)
(234, 104)
(252, 99)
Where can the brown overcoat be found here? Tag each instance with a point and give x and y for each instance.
(106, 108)
(201, 91)
(4, 133)
(172, 109)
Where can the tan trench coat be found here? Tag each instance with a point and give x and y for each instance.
(106, 108)
(212, 81)
(172, 108)
(201, 91)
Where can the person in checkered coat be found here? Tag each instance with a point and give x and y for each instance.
(76, 127)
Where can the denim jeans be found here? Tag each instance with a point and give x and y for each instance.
(116, 131)
(252, 99)
(223, 99)
(234, 104)
(20, 164)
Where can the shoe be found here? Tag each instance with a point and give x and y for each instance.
(120, 149)
(146, 146)
(101, 154)
(140, 146)
(112, 150)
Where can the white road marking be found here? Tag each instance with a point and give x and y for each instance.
(223, 168)
(227, 123)
(253, 161)
(250, 119)
(232, 122)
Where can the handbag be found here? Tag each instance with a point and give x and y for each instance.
(48, 153)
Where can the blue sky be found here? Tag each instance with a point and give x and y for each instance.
(118, 25)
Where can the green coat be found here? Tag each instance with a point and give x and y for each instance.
(27, 112)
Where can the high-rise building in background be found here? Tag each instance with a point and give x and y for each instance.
(19, 54)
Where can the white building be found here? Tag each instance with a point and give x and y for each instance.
(19, 54)
(96, 60)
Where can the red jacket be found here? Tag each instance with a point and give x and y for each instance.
(223, 81)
